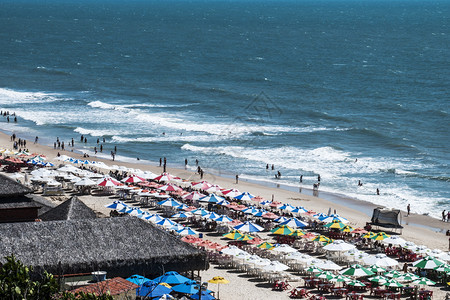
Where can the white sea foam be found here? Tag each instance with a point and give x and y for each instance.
(168, 138)
(97, 132)
(7, 96)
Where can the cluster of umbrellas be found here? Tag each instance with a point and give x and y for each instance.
(162, 286)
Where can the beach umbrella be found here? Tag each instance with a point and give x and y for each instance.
(211, 215)
(245, 237)
(328, 265)
(355, 283)
(176, 227)
(393, 283)
(224, 219)
(269, 215)
(231, 193)
(215, 188)
(152, 289)
(339, 278)
(408, 277)
(193, 196)
(251, 211)
(165, 222)
(394, 240)
(170, 187)
(223, 202)
(321, 238)
(443, 268)
(335, 224)
(187, 287)
(187, 231)
(133, 179)
(378, 279)
(275, 266)
(333, 217)
(424, 281)
(377, 269)
(294, 223)
(202, 185)
(393, 274)
(287, 207)
(357, 271)
(218, 280)
(281, 219)
(244, 196)
(165, 177)
(169, 203)
(200, 211)
(117, 205)
(249, 227)
(108, 182)
(154, 218)
(283, 229)
(233, 235)
(85, 182)
(204, 296)
(266, 245)
(369, 235)
(380, 236)
(314, 269)
(339, 245)
(297, 232)
(284, 248)
(359, 230)
(299, 210)
(211, 198)
(133, 211)
(381, 260)
(137, 279)
(182, 215)
(325, 275)
(171, 278)
(347, 228)
(428, 262)
(233, 250)
(309, 235)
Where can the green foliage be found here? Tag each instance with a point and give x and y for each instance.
(16, 284)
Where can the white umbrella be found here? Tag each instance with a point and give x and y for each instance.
(328, 265)
(85, 182)
(284, 248)
(381, 260)
(232, 250)
(276, 266)
(394, 240)
(339, 245)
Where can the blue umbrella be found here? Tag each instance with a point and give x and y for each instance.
(172, 277)
(165, 222)
(169, 202)
(250, 211)
(211, 198)
(152, 289)
(248, 227)
(244, 196)
(294, 223)
(181, 215)
(211, 215)
(187, 231)
(188, 287)
(116, 204)
(224, 218)
(137, 279)
(205, 296)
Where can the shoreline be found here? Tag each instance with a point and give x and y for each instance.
(416, 227)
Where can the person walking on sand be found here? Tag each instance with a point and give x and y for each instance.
(443, 215)
(237, 178)
(408, 209)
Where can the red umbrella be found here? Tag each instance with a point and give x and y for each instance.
(193, 196)
(165, 177)
(275, 204)
(108, 181)
(201, 185)
(309, 236)
(359, 230)
(170, 188)
(190, 208)
(269, 215)
(255, 241)
(133, 179)
(258, 198)
(231, 193)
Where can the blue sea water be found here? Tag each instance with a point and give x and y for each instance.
(350, 90)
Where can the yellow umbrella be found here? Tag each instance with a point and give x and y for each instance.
(166, 285)
(347, 228)
(380, 236)
(234, 234)
(266, 245)
(335, 225)
(297, 232)
(245, 237)
(321, 238)
(283, 229)
(218, 280)
(369, 235)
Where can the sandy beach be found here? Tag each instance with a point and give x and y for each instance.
(420, 229)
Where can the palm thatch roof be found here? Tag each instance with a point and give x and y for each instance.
(120, 246)
(71, 209)
(113, 286)
(11, 188)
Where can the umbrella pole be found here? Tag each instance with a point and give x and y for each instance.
(218, 290)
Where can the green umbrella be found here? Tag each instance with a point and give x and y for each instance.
(377, 269)
(283, 229)
(340, 278)
(378, 279)
(357, 271)
(408, 277)
(428, 262)
(393, 283)
(380, 236)
(424, 281)
(355, 283)
(443, 268)
(314, 270)
(393, 274)
(325, 275)
(335, 224)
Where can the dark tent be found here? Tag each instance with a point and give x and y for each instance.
(387, 218)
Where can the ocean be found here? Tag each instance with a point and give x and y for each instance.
(348, 90)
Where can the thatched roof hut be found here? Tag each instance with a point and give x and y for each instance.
(71, 209)
(117, 286)
(15, 203)
(120, 246)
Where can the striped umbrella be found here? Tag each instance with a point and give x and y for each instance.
(244, 196)
(297, 232)
(357, 271)
(321, 238)
(369, 235)
(335, 225)
(424, 281)
(325, 275)
(211, 198)
(443, 268)
(393, 274)
(245, 237)
(393, 283)
(378, 279)
(347, 228)
(355, 283)
(313, 269)
(377, 269)
(380, 236)
(408, 277)
(428, 262)
(224, 219)
(187, 231)
(249, 227)
(340, 278)
(294, 223)
(283, 229)
(232, 235)
(266, 245)
(182, 215)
